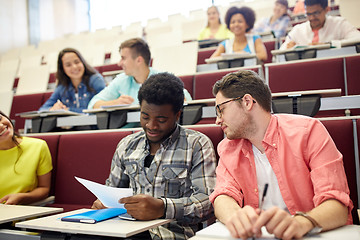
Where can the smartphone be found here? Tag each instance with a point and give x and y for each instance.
(126, 216)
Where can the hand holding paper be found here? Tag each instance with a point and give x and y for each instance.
(109, 196)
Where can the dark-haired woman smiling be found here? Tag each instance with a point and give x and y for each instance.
(25, 172)
(78, 82)
(240, 21)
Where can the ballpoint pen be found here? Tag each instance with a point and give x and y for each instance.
(263, 196)
(262, 199)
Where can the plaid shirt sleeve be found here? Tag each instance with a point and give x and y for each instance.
(196, 207)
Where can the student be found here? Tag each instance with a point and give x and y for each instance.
(214, 28)
(320, 28)
(294, 154)
(135, 60)
(78, 82)
(25, 172)
(170, 169)
(240, 21)
(278, 22)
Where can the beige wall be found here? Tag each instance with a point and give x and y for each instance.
(13, 24)
(57, 18)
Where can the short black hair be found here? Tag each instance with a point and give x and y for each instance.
(322, 3)
(246, 12)
(163, 88)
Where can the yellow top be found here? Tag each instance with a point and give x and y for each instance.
(20, 175)
(222, 33)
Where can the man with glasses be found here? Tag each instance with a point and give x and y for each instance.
(293, 155)
(320, 28)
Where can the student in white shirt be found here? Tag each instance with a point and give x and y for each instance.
(320, 28)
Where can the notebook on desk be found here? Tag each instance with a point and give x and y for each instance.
(94, 216)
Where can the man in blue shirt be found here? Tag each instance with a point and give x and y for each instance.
(135, 60)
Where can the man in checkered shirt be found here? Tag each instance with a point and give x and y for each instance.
(170, 169)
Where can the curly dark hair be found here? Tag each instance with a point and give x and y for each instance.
(64, 79)
(246, 12)
(243, 82)
(323, 3)
(163, 88)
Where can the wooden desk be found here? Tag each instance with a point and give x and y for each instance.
(114, 227)
(9, 213)
(219, 231)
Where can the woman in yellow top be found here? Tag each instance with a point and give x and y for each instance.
(25, 172)
(214, 28)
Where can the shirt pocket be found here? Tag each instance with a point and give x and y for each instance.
(174, 177)
(131, 169)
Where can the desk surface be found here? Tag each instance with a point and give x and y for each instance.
(229, 57)
(219, 231)
(9, 213)
(300, 49)
(114, 227)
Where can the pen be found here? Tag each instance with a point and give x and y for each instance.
(262, 200)
(263, 196)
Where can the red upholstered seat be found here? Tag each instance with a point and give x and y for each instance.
(204, 54)
(24, 103)
(213, 132)
(341, 132)
(205, 81)
(88, 156)
(269, 45)
(303, 75)
(46, 96)
(353, 74)
(188, 83)
(52, 142)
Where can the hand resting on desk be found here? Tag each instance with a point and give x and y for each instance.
(141, 206)
(123, 99)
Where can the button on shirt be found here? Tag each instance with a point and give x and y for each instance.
(308, 167)
(182, 173)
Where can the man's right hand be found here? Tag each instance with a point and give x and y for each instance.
(97, 205)
(291, 44)
(240, 223)
(125, 99)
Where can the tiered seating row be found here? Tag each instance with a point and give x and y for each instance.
(198, 85)
(315, 74)
(88, 155)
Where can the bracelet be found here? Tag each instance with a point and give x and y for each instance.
(317, 228)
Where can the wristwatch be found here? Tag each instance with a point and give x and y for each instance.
(316, 229)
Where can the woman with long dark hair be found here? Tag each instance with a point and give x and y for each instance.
(25, 172)
(78, 82)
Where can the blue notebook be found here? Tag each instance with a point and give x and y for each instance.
(94, 216)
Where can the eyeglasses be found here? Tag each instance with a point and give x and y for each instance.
(314, 14)
(218, 111)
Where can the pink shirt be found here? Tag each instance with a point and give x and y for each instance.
(305, 160)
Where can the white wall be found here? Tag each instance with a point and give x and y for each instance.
(13, 24)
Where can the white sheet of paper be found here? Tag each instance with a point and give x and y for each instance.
(109, 196)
